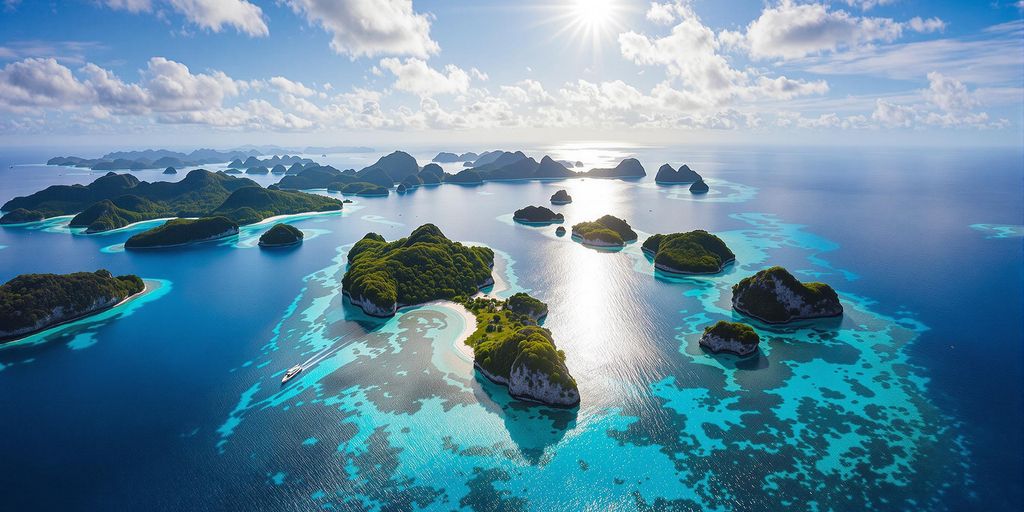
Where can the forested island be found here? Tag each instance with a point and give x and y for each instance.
(773, 295)
(561, 197)
(281, 235)
(607, 231)
(509, 348)
(693, 252)
(384, 276)
(667, 175)
(732, 337)
(30, 303)
(359, 188)
(537, 215)
(116, 200)
(180, 232)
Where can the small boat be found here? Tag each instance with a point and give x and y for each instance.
(293, 371)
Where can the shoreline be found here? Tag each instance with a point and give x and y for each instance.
(744, 312)
(185, 244)
(146, 288)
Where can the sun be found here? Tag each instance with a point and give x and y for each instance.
(593, 14)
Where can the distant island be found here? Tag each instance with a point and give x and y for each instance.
(117, 200)
(560, 231)
(732, 337)
(30, 303)
(359, 188)
(510, 349)
(170, 170)
(773, 295)
(699, 187)
(21, 216)
(464, 177)
(162, 158)
(693, 252)
(628, 168)
(537, 215)
(382, 277)
(607, 231)
(257, 170)
(667, 175)
(561, 197)
(447, 158)
(281, 235)
(181, 232)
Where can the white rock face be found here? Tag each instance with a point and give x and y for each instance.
(372, 309)
(58, 316)
(717, 343)
(794, 304)
(527, 383)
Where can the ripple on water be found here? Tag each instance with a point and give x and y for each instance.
(831, 413)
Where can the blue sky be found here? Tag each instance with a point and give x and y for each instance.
(229, 72)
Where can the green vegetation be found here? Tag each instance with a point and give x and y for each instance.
(177, 232)
(742, 333)
(693, 252)
(21, 215)
(511, 349)
(537, 215)
(360, 188)
(121, 211)
(281, 235)
(33, 302)
(432, 174)
(464, 177)
(561, 197)
(253, 204)
(312, 177)
(390, 169)
(423, 267)
(773, 295)
(524, 304)
(606, 231)
(411, 181)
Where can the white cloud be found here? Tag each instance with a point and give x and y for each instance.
(868, 4)
(926, 26)
(39, 83)
(212, 15)
(948, 94)
(690, 53)
(791, 30)
(415, 76)
(294, 88)
(368, 28)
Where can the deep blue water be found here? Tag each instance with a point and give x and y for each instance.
(912, 400)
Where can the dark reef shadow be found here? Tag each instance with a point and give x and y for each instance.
(749, 362)
(532, 427)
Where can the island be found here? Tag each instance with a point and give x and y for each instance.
(464, 177)
(560, 231)
(411, 181)
(30, 303)
(693, 252)
(281, 235)
(401, 188)
(313, 177)
(510, 349)
(180, 232)
(537, 215)
(116, 200)
(561, 197)
(667, 175)
(389, 169)
(628, 168)
(732, 337)
(279, 169)
(359, 188)
(431, 174)
(21, 216)
(382, 277)
(257, 170)
(699, 187)
(608, 231)
(774, 296)
(232, 171)
(170, 170)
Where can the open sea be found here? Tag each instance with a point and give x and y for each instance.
(911, 401)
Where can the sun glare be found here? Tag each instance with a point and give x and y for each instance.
(593, 13)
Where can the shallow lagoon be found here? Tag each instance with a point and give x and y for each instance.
(179, 404)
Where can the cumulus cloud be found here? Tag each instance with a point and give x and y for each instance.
(415, 76)
(948, 94)
(287, 86)
(368, 28)
(39, 83)
(212, 15)
(691, 54)
(791, 30)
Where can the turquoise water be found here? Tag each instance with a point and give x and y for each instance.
(174, 401)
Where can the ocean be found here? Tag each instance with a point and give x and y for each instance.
(911, 400)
